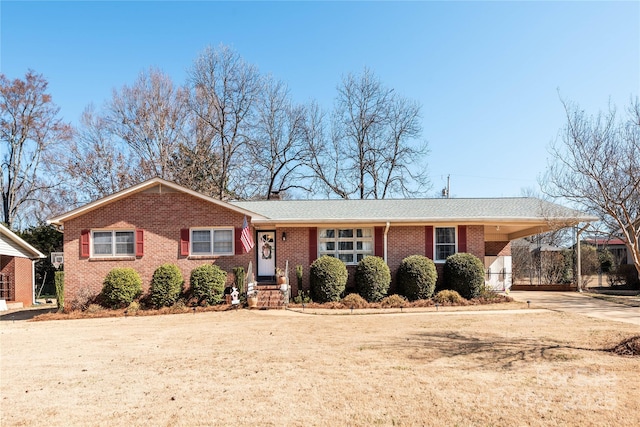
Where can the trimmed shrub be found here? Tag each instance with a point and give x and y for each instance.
(447, 297)
(121, 286)
(372, 278)
(393, 301)
(166, 285)
(417, 276)
(59, 282)
(207, 283)
(464, 273)
(354, 301)
(328, 278)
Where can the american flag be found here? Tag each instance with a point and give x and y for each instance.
(245, 237)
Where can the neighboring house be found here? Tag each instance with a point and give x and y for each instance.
(616, 246)
(17, 278)
(157, 221)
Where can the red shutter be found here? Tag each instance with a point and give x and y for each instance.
(184, 242)
(237, 235)
(428, 241)
(313, 244)
(462, 238)
(139, 242)
(378, 237)
(84, 244)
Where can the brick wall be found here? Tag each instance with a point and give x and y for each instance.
(161, 216)
(19, 272)
(498, 248)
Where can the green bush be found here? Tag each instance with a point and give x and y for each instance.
(207, 283)
(328, 277)
(417, 277)
(121, 286)
(166, 285)
(59, 282)
(464, 273)
(393, 301)
(354, 301)
(447, 297)
(372, 278)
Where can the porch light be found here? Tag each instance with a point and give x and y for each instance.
(284, 236)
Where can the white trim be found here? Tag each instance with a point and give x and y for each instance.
(20, 242)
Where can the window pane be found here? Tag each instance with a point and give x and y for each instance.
(446, 235)
(327, 233)
(345, 246)
(222, 241)
(443, 251)
(364, 246)
(345, 233)
(124, 243)
(201, 241)
(346, 258)
(360, 257)
(327, 246)
(364, 232)
(102, 243)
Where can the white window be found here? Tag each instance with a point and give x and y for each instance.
(349, 245)
(108, 243)
(212, 241)
(445, 242)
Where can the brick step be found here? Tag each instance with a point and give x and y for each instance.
(270, 298)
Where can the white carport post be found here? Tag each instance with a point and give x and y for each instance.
(578, 258)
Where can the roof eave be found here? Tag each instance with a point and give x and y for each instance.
(59, 220)
(20, 242)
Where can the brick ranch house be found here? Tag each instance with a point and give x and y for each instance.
(157, 222)
(17, 270)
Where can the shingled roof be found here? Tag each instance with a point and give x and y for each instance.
(522, 209)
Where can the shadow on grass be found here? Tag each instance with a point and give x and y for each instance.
(488, 351)
(27, 314)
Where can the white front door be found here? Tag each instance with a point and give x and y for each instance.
(266, 254)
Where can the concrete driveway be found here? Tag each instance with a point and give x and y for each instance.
(574, 302)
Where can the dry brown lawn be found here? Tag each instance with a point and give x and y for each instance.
(277, 368)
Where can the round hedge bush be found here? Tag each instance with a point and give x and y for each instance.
(120, 287)
(166, 285)
(417, 277)
(464, 273)
(207, 283)
(328, 277)
(372, 278)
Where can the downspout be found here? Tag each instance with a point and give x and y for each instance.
(386, 230)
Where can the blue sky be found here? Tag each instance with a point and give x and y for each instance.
(489, 75)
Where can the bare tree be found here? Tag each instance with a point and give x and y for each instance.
(373, 145)
(277, 153)
(29, 126)
(224, 94)
(596, 164)
(150, 117)
(95, 163)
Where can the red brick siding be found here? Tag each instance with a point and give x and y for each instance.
(497, 248)
(161, 216)
(19, 272)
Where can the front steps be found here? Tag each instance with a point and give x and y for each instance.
(270, 296)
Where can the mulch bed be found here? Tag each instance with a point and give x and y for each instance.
(628, 347)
